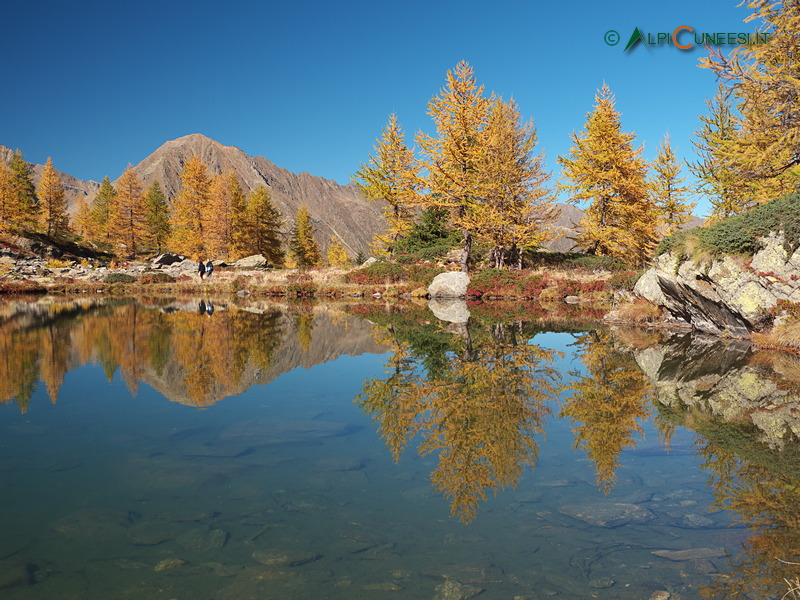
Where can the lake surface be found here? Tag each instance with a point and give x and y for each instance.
(188, 449)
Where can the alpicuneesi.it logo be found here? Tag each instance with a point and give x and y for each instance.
(685, 38)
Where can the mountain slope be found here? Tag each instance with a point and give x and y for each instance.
(74, 188)
(335, 209)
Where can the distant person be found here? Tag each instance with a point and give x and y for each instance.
(201, 269)
(209, 269)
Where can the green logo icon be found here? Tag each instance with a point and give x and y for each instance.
(636, 37)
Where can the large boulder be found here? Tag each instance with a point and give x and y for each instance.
(255, 261)
(167, 259)
(449, 285)
(728, 296)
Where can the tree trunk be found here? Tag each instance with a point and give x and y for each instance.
(465, 252)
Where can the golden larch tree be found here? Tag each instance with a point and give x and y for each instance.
(517, 207)
(82, 219)
(189, 210)
(460, 113)
(127, 226)
(52, 200)
(220, 214)
(718, 176)
(337, 254)
(25, 202)
(9, 206)
(669, 191)
(605, 170)
(392, 176)
(764, 79)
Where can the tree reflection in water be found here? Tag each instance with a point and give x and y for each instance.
(606, 403)
(478, 398)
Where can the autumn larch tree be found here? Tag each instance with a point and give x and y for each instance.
(82, 220)
(24, 194)
(128, 223)
(337, 254)
(219, 216)
(460, 113)
(9, 210)
(392, 176)
(52, 201)
(156, 217)
(718, 177)
(516, 206)
(189, 210)
(302, 245)
(263, 223)
(605, 170)
(669, 192)
(764, 79)
(101, 210)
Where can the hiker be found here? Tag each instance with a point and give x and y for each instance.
(201, 269)
(209, 269)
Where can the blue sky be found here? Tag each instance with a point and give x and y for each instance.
(98, 85)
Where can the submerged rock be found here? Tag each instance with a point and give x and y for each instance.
(691, 554)
(610, 515)
(168, 564)
(453, 589)
(282, 558)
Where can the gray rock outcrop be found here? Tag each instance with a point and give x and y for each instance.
(729, 296)
(449, 285)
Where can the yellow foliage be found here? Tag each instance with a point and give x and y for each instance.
(392, 176)
(52, 201)
(604, 169)
(337, 254)
(127, 224)
(188, 217)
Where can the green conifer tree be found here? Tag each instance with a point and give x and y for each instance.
(157, 217)
(26, 201)
(302, 245)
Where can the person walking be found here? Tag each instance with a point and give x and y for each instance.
(209, 269)
(201, 269)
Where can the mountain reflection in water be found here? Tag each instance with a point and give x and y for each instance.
(191, 355)
(477, 397)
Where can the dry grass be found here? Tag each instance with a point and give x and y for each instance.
(786, 335)
(639, 311)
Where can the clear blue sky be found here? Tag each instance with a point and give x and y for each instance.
(98, 85)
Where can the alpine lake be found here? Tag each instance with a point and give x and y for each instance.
(220, 449)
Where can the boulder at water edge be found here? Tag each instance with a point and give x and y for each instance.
(449, 285)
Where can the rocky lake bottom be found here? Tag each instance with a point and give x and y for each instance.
(288, 490)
